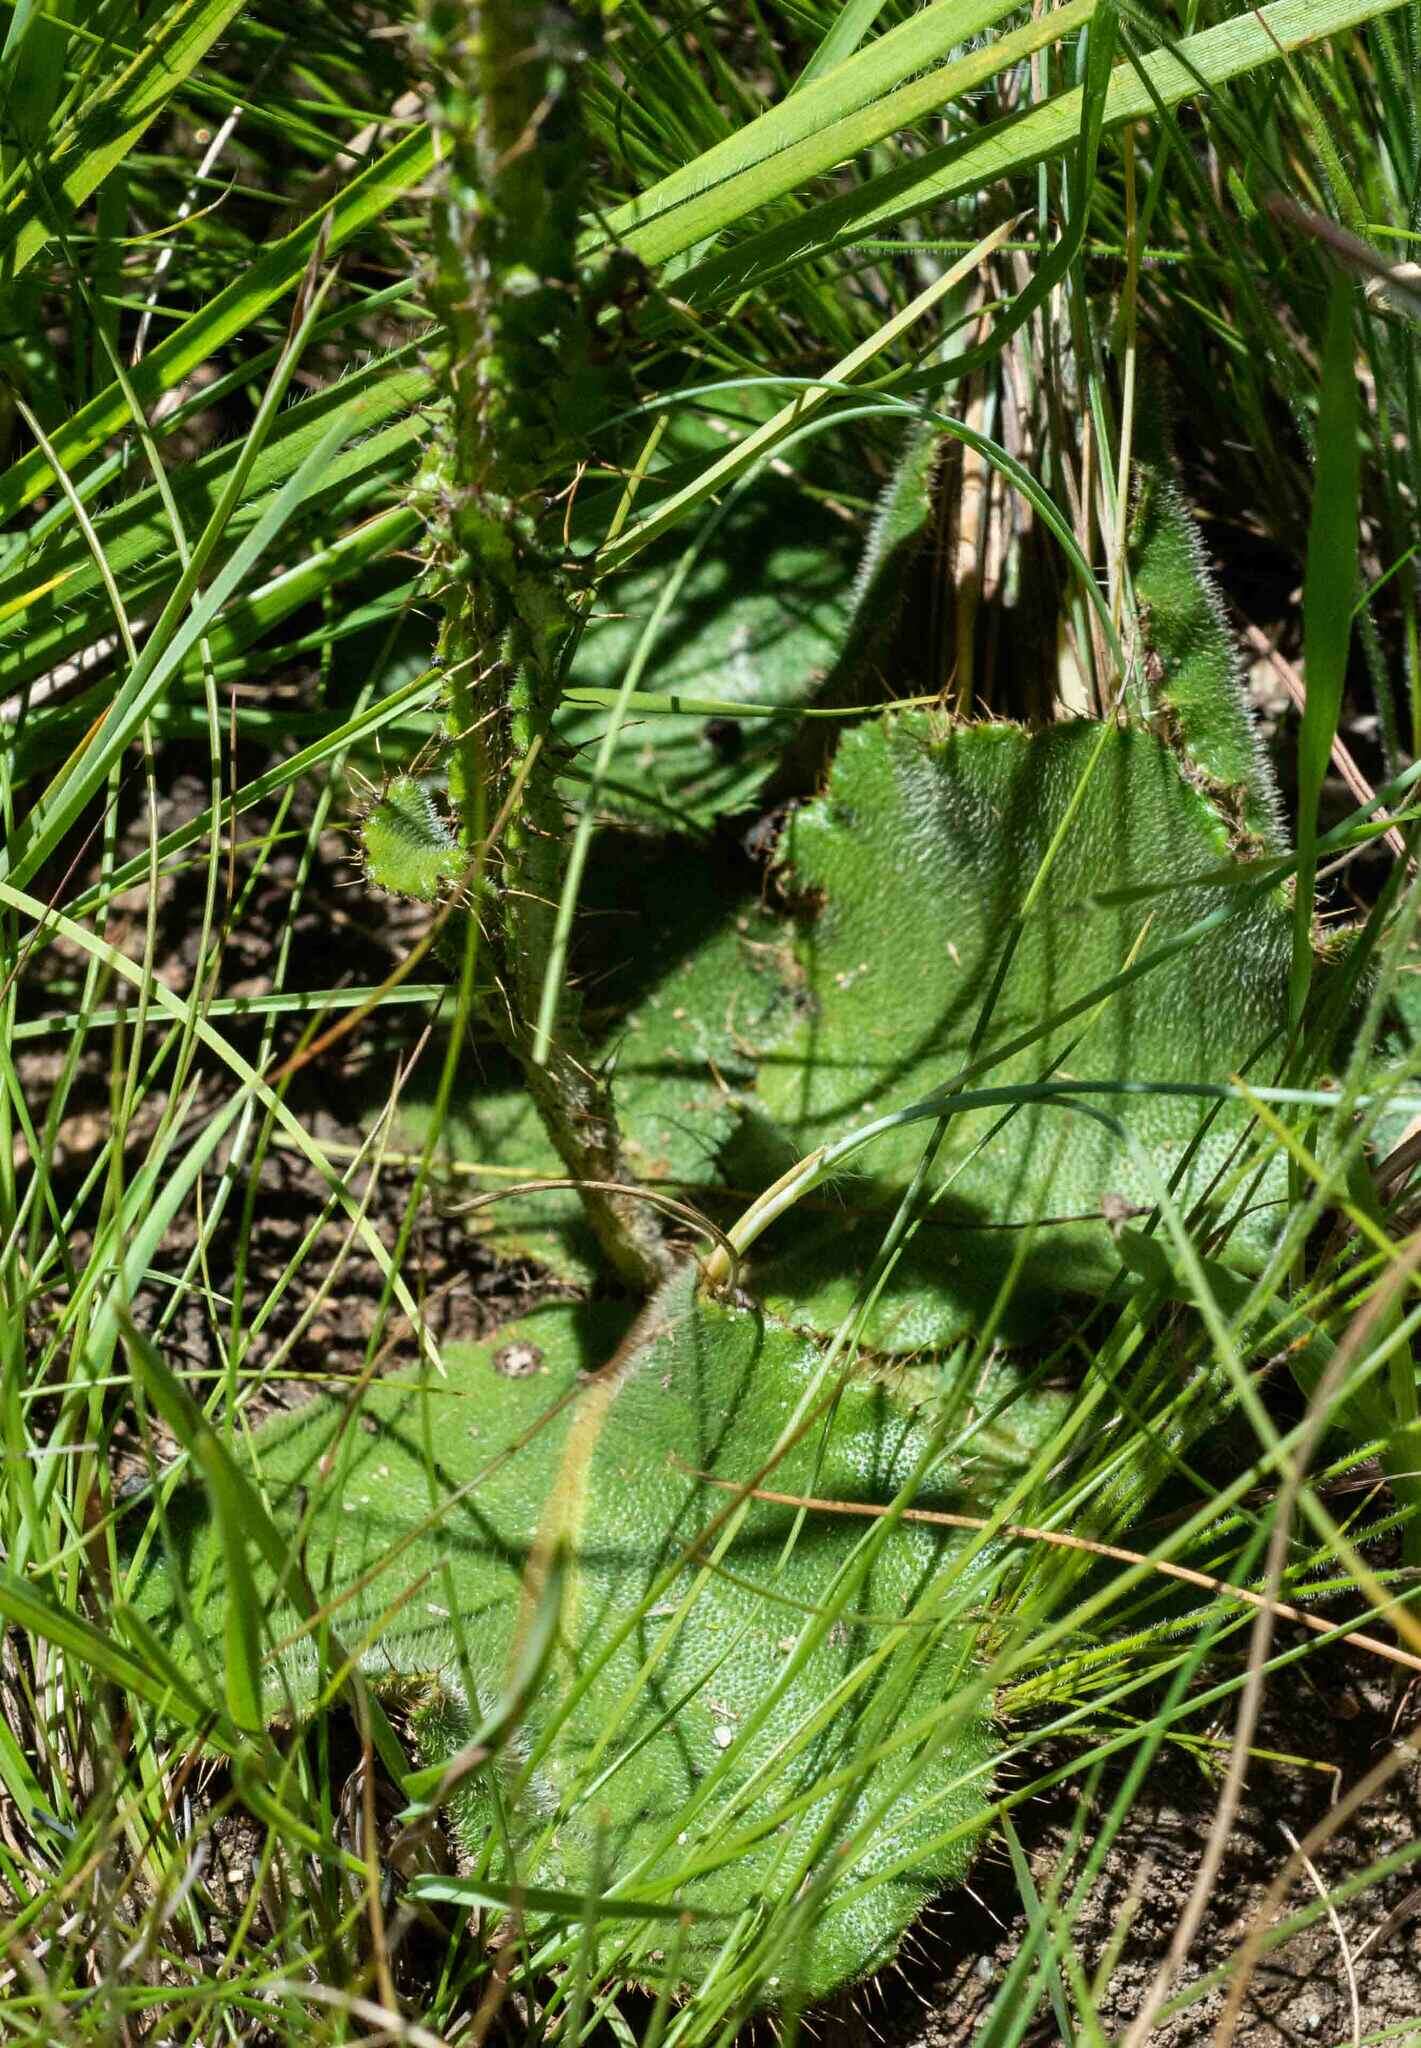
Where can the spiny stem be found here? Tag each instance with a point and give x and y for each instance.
(522, 383)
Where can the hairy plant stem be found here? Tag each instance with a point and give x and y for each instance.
(521, 377)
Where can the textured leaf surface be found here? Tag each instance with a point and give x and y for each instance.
(1193, 680)
(698, 991)
(760, 619)
(914, 862)
(698, 1684)
(409, 848)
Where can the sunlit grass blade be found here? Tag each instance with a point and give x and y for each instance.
(240, 1516)
(846, 31)
(174, 634)
(94, 1649)
(759, 445)
(244, 1520)
(569, 1907)
(231, 311)
(377, 449)
(110, 123)
(1009, 146)
(809, 135)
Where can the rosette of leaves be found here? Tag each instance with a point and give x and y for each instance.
(741, 1043)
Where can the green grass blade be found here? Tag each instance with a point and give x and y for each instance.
(48, 607)
(239, 1516)
(1010, 146)
(1329, 589)
(242, 1518)
(109, 125)
(569, 1906)
(26, 1609)
(846, 31)
(412, 697)
(757, 446)
(19, 1780)
(831, 122)
(67, 796)
(365, 200)
(31, 72)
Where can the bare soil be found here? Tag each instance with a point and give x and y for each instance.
(1333, 1983)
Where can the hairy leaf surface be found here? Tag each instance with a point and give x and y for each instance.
(690, 988)
(760, 619)
(1193, 683)
(686, 1743)
(912, 867)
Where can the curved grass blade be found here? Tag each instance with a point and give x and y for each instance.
(808, 134)
(88, 768)
(365, 199)
(242, 1518)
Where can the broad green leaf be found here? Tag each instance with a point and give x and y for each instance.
(762, 616)
(735, 1699)
(913, 866)
(690, 987)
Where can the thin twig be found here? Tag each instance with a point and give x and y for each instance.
(1342, 759)
(1063, 1539)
